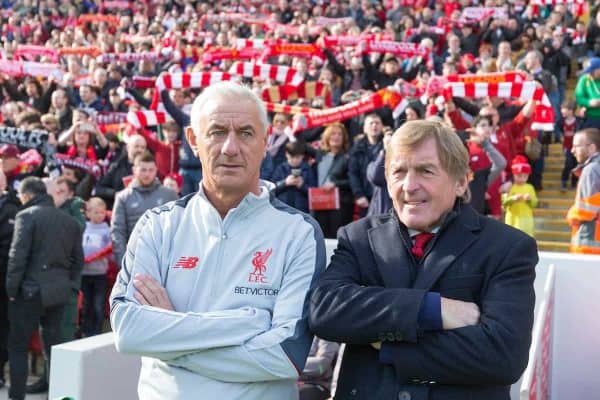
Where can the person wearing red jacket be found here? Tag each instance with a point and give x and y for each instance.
(167, 151)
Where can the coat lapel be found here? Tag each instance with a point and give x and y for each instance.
(390, 254)
(452, 242)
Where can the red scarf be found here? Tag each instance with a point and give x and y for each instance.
(90, 153)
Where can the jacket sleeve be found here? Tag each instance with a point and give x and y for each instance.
(104, 187)
(281, 351)
(76, 261)
(155, 332)
(18, 256)
(493, 352)
(354, 175)
(179, 116)
(119, 229)
(497, 159)
(342, 309)
(320, 363)
(376, 170)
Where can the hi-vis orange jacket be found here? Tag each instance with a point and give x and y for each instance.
(584, 215)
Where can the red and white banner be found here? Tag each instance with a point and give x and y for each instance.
(112, 5)
(83, 164)
(185, 80)
(130, 57)
(325, 21)
(219, 53)
(543, 118)
(11, 68)
(536, 378)
(27, 51)
(366, 104)
(241, 43)
(141, 119)
(404, 49)
(43, 70)
(306, 50)
(481, 13)
(492, 77)
(306, 90)
(282, 74)
(347, 40)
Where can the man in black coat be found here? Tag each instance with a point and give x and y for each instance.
(433, 300)
(9, 205)
(44, 268)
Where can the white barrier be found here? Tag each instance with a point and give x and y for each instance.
(91, 369)
(536, 378)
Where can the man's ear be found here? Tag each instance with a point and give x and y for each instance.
(191, 138)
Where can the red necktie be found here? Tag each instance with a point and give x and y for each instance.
(421, 240)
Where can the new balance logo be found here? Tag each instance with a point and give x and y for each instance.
(186, 262)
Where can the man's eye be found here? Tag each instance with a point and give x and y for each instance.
(247, 133)
(216, 133)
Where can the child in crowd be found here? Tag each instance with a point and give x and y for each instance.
(521, 199)
(96, 242)
(173, 181)
(293, 177)
(568, 125)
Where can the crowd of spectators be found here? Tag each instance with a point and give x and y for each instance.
(71, 71)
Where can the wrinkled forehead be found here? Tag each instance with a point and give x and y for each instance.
(233, 114)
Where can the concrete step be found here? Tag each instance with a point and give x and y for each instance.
(549, 193)
(554, 160)
(554, 175)
(557, 236)
(552, 224)
(549, 184)
(549, 245)
(553, 167)
(550, 213)
(555, 203)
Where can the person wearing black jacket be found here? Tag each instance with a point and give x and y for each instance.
(32, 94)
(9, 205)
(44, 268)
(362, 153)
(112, 181)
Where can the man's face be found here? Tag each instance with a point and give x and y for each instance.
(59, 99)
(373, 127)
(9, 163)
(85, 93)
(145, 173)
(581, 149)
(391, 68)
(60, 194)
(230, 142)
(421, 190)
(137, 145)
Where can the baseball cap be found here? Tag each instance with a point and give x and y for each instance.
(9, 150)
(593, 65)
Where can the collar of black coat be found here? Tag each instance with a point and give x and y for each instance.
(446, 220)
(40, 200)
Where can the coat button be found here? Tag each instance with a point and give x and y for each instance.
(44, 267)
(353, 392)
(404, 395)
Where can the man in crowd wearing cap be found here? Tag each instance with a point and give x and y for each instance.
(587, 93)
(446, 311)
(12, 167)
(584, 215)
(389, 75)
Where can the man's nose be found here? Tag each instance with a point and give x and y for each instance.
(231, 145)
(411, 181)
